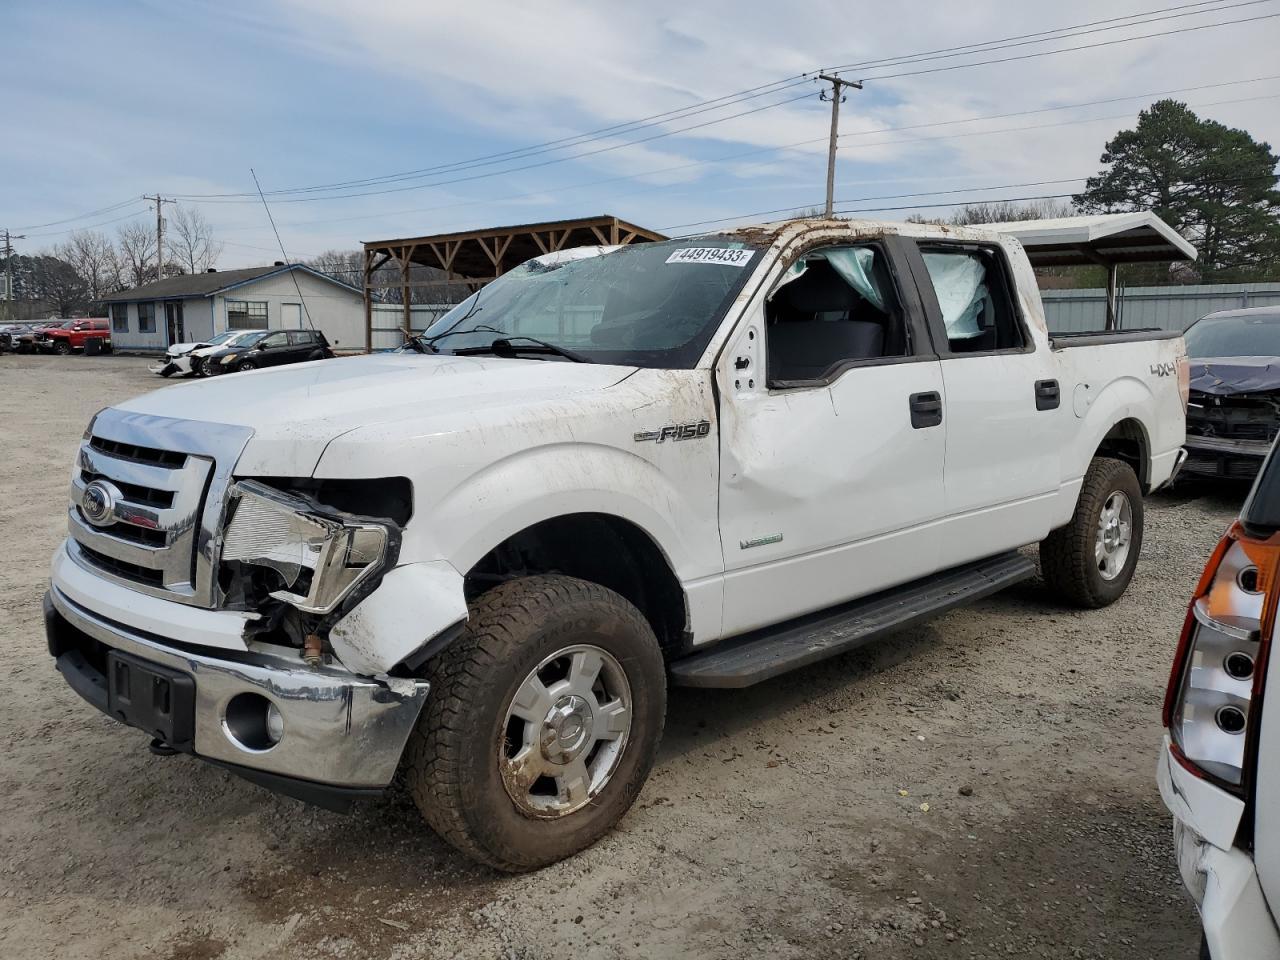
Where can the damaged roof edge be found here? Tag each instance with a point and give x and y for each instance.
(1109, 237)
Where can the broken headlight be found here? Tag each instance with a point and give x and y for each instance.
(320, 554)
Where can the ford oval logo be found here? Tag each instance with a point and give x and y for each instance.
(98, 503)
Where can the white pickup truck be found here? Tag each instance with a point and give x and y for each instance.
(480, 561)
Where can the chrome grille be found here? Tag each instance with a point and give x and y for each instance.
(163, 483)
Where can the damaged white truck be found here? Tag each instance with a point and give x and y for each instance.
(478, 563)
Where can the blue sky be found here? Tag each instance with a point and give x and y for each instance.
(108, 101)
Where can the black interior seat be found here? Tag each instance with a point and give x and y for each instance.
(819, 320)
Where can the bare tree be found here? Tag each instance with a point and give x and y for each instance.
(1004, 211)
(94, 258)
(347, 266)
(1000, 211)
(136, 247)
(190, 241)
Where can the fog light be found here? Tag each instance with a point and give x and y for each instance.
(252, 722)
(275, 724)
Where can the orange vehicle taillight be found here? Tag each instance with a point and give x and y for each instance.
(1215, 687)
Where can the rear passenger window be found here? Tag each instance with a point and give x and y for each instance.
(300, 338)
(973, 297)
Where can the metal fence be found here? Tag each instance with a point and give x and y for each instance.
(1169, 308)
(388, 321)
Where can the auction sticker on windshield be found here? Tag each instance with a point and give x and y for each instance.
(727, 256)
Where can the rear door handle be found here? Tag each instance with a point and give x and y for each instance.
(926, 409)
(1048, 396)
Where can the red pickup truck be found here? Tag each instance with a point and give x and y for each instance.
(72, 335)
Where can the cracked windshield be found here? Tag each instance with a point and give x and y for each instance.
(646, 305)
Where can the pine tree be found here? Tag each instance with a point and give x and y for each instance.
(1214, 184)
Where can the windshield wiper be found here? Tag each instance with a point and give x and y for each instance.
(503, 347)
(431, 341)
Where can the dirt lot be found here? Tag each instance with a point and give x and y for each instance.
(775, 824)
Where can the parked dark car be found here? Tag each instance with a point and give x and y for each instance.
(28, 342)
(270, 348)
(9, 334)
(1234, 410)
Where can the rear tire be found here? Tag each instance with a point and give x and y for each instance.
(1091, 560)
(519, 793)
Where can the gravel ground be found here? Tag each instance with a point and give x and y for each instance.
(982, 787)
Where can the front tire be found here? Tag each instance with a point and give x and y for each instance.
(1091, 560)
(244, 366)
(61, 348)
(542, 724)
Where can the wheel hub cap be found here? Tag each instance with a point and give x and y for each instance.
(566, 732)
(1115, 533)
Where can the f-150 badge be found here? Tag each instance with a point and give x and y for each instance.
(676, 431)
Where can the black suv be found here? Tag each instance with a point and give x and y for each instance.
(270, 348)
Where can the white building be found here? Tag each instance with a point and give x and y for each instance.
(197, 306)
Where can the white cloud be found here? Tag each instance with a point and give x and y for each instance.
(503, 75)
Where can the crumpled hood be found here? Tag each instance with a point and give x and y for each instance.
(296, 410)
(1223, 376)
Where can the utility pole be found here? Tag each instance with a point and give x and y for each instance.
(159, 201)
(837, 95)
(8, 271)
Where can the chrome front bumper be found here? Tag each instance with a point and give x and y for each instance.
(340, 730)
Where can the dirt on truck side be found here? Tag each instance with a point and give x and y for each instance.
(981, 787)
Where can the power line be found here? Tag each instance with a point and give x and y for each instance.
(523, 153)
(1059, 123)
(83, 216)
(978, 133)
(531, 166)
(777, 86)
(755, 92)
(793, 146)
(8, 271)
(941, 193)
(292, 273)
(92, 226)
(1083, 46)
(1065, 106)
(1046, 36)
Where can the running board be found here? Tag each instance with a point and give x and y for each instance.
(764, 654)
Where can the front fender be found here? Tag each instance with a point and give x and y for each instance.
(414, 603)
(558, 479)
